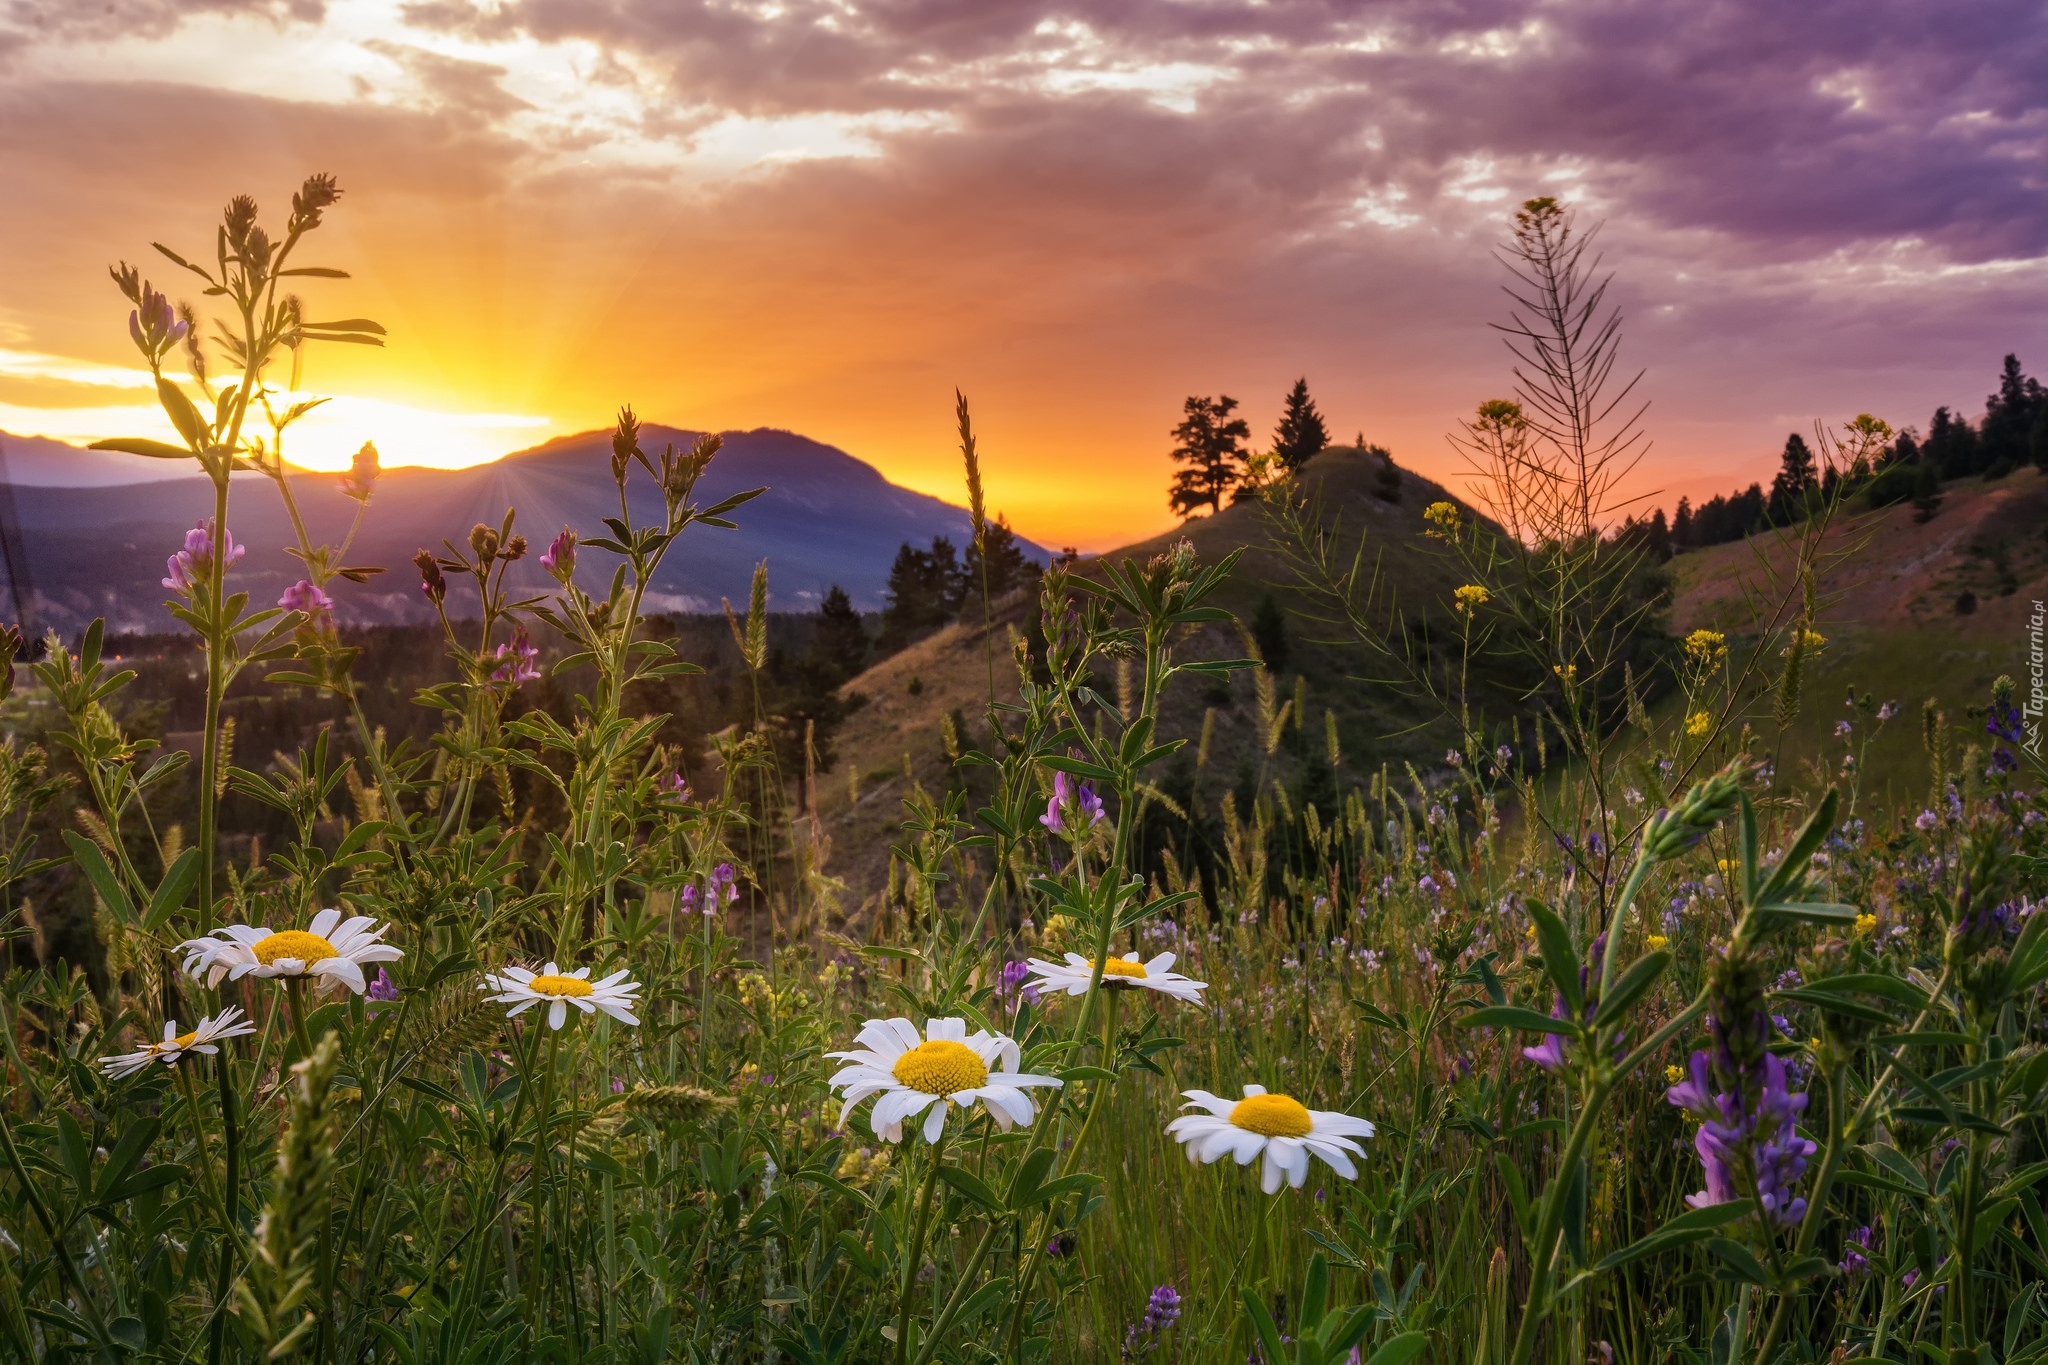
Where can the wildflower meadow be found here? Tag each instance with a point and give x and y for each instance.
(1631, 1028)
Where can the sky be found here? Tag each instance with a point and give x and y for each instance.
(825, 215)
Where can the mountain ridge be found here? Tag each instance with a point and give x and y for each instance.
(827, 518)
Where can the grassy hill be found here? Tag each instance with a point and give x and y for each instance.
(1911, 610)
(895, 739)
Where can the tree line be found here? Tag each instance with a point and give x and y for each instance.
(2012, 433)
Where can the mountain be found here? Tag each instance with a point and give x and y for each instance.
(827, 518)
(38, 462)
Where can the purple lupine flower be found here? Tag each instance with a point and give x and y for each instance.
(1888, 710)
(1549, 1054)
(1162, 1310)
(679, 788)
(1747, 1126)
(1926, 821)
(155, 326)
(724, 888)
(559, 559)
(188, 569)
(1854, 1261)
(383, 987)
(1842, 729)
(1071, 801)
(1011, 980)
(688, 899)
(1061, 1245)
(518, 659)
(306, 597)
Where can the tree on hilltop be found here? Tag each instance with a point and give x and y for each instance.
(1301, 433)
(839, 645)
(1797, 481)
(1210, 442)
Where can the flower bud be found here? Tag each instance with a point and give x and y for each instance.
(515, 550)
(559, 559)
(362, 473)
(431, 581)
(625, 444)
(483, 541)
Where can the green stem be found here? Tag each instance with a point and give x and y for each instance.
(1550, 1221)
(959, 1295)
(916, 1256)
(51, 1231)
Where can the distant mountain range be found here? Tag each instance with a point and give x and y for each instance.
(97, 546)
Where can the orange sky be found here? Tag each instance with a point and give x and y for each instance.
(824, 217)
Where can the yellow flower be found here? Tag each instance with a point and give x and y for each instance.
(1530, 932)
(1866, 925)
(1674, 1074)
(1807, 642)
(1442, 518)
(1568, 672)
(1658, 943)
(1727, 865)
(1706, 646)
(1699, 725)
(1470, 597)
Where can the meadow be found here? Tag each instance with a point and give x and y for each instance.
(1631, 1028)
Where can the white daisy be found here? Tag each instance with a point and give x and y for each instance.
(557, 989)
(227, 1024)
(330, 948)
(1277, 1125)
(909, 1070)
(1118, 973)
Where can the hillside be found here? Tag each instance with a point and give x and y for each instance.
(894, 740)
(826, 518)
(1911, 610)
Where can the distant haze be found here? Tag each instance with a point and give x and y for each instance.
(827, 518)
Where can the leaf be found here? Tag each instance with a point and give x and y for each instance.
(967, 1183)
(345, 325)
(171, 892)
(1560, 958)
(1315, 1293)
(1836, 1003)
(1737, 1257)
(1262, 1323)
(1809, 910)
(1519, 1017)
(1683, 1230)
(183, 415)
(137, 445)
(1399, 1350)
(1792, 866)
(108, 887)
(1634, 982)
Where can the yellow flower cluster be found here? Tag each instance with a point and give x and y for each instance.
(1569, 672)
(1699, 725)
(861, 1165)
(1442, 518)
(1866, 925)
(1706, 646)
(1470, 597)
(1658, 943)
(1674, 1074)
(1806, 642)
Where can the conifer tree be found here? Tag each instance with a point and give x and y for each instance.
(1210, 442)
(1796, 483)
(839, 645)
(1301, 434)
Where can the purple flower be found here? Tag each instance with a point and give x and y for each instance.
(189, 569)
(724, 888)
(305, 597)
(1549, 1054)
(679, 788)
(559, 559)
(1854, 1262)
(1011, 979)
(1747, 1134)
(518, 659)
(383, 988)
(1842, 729)
(688, 899)
(1070, 801)
(1061, 1245)
(154, 325)
(1162, 1310)
(1926, 821)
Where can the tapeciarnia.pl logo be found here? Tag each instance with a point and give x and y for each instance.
(2037, 681)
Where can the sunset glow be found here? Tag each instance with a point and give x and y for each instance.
(824, 218)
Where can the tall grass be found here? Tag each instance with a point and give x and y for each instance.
(1504, 964)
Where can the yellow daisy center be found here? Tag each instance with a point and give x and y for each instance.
(941, 1067)
(1116, 966)
(559, 985)
(182, 1041)
(1271, 1116)
(296, 944)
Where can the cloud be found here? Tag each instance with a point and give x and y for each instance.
(823, 213)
